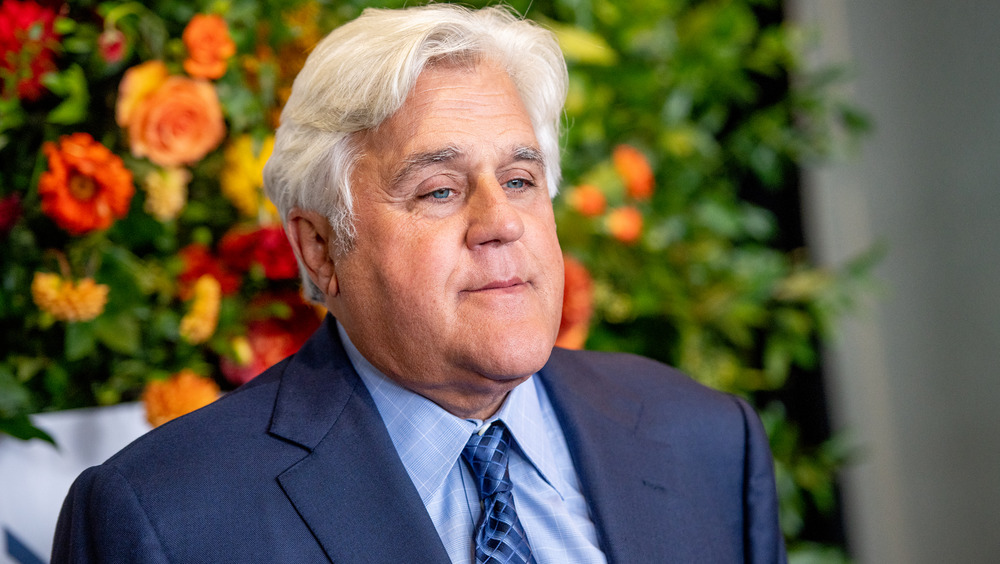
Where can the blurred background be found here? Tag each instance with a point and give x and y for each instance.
(791, 201)
(913, 376)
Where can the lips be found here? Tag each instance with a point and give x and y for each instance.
(509, 284)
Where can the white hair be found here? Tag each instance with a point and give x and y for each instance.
(361, 73)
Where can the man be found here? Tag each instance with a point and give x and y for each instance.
(430, 419)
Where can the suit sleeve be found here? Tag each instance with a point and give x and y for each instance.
(103, 521)
(764, 543)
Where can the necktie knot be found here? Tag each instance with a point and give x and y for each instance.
(486, 455)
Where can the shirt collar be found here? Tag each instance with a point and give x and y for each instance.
(430, 440)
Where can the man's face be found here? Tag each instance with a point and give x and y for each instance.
(454, 284)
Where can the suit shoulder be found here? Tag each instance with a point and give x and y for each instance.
(628, 370)
(238, 417)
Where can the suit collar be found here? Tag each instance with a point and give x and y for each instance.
(352, 478)
(610, 452)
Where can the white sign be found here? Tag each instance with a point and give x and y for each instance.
(35, 476)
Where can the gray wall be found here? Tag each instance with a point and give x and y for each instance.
(915, 377)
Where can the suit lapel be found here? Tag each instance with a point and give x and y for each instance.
(631, 506)
(351, 489)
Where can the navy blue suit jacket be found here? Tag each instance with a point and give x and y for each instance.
(297, 466)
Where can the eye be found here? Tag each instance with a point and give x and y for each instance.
(440, 193)
(516, 183)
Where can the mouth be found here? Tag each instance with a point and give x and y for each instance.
(509, 285)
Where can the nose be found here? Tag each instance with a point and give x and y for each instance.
(492, 219)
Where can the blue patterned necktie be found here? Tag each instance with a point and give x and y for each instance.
(500, 538)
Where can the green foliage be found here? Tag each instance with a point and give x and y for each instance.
(715, 96)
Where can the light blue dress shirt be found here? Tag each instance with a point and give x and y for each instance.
(430, 440)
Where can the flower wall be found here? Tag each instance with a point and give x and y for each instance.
(140, 259)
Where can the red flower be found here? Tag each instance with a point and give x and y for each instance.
(198, 261)
(267, 246)
(86, 186)
(274, 253)
(236, 248)
(271, 339)
(10, 212)
(27, 48)
(578, 305)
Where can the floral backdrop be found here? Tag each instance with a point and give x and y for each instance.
(140, 256)
(139, 259)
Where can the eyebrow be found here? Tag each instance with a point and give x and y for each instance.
(530, 154)
(419, 161)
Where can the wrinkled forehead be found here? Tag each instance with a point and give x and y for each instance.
(450, 74)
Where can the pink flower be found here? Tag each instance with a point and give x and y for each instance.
(111, 45)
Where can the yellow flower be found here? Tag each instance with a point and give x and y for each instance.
(182, 393)
(243, 177)
(166, 192)
(199, 323)
(67, 300)
(242, 350)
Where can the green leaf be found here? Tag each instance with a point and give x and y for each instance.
(583, 46)
(64, 26)
(28, 366)
(71, 84)
(120, 333)
(57, 382)
(15, 398)
(11, 116)
(80, 340)
(20, 427)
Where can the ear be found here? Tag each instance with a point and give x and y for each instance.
(310, 235)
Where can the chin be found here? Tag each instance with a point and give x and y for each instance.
(510, 357)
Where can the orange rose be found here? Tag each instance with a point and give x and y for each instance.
(139, 82)
(625, 224)
(587, 200)
(634, 169)
(86, 185)
(209, 46)
(178, 123)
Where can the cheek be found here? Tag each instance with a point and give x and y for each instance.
(545, 245)
(417, 262)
